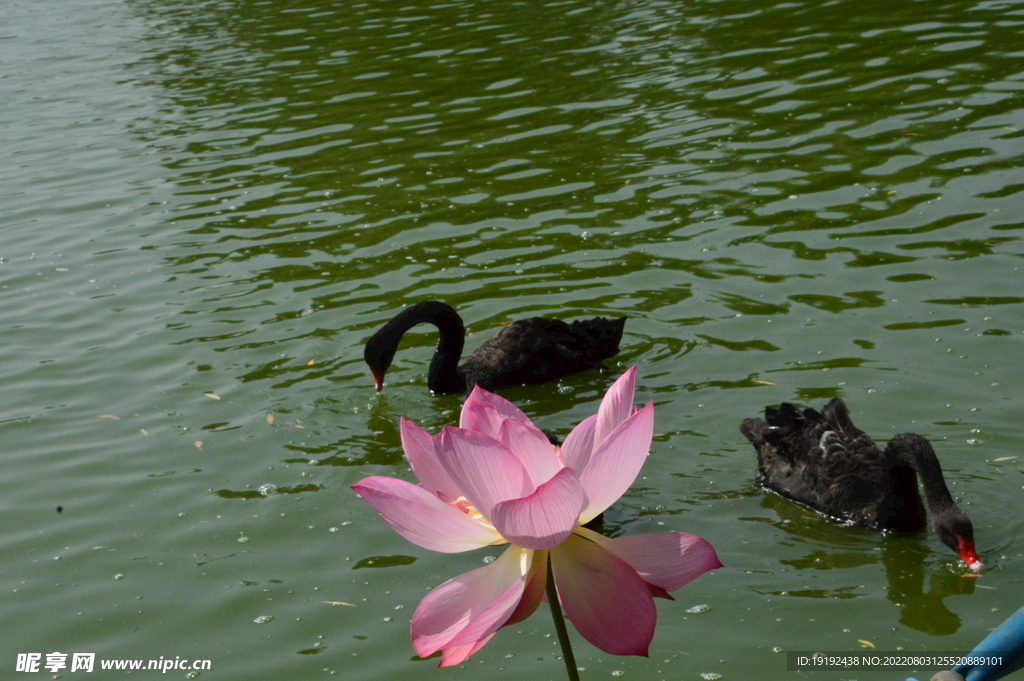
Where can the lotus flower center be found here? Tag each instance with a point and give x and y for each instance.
(463, 505)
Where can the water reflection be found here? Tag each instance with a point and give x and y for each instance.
(261, 494)
(906, 558)
(384, 561)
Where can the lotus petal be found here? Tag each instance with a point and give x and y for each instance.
(532, 448)
(421, 451)
(579, 445)
(469, 608)
(506, 409)
(616, 406)
(480, 416)
(667, 560)
(486, 471)
(422, 518)
(536, 584)
(458, 654)
(606, 600)
(484, 412)
(544, 519)
(616, 462)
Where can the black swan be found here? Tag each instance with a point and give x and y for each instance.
(824, 462)
(527, 351)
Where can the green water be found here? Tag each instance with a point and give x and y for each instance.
(208, 207)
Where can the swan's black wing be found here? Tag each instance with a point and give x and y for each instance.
(820, 460)
(538, 350)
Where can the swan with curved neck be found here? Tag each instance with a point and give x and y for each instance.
(534, 350)
(825, 463)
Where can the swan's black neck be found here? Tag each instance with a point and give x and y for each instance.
(950, 523)
(912, 454)
(914, 451)
(443, 376)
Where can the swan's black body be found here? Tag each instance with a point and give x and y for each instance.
(533, 350)
(824, 462)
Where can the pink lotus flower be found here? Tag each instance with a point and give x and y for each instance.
(495, 480)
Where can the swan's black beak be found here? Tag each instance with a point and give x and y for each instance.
(378, 380)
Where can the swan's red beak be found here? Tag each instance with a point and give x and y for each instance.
(969, 555)
(378, 379)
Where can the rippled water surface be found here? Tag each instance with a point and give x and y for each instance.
(208, 207)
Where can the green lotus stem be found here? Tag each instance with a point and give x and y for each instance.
(563, 633)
